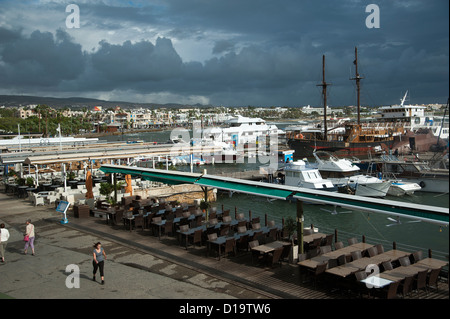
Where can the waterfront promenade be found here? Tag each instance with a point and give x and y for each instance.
(130, 272)
(139, 265)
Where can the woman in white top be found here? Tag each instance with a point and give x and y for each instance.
(4, 236)
(30, 232)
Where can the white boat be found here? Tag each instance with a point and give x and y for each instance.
(299, 174)
(401, 188)
(241, 132)
(342, 173)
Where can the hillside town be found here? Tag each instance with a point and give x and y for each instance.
(38, 118)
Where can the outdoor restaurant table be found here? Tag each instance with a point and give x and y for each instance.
(361, 263)
(270, 247)
(362, 246)
(342, 271)
(432, 263)
(395, 254)
(310, 238)
(403, 271)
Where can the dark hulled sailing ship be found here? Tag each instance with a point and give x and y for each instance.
(350, 139)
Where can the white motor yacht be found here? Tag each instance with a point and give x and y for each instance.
(342, 173)
(299, 174)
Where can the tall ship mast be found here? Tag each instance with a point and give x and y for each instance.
(348, 139)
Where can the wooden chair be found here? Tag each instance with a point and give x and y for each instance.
(433, 278)
(356, 255)
(380, 248)
(342, 260)
(387, 265)
(255, 254)
(417, 256)
(242, 223)
(361, 288)
(230, 246)
(226, 219)
(404, 261)
(406, 286)
(242, 243)
(318, 271)
(286, 252)
(197, 237)
(241, 229)
(273, 235)
(315, 244)
(139, 222)
(325, 249)
(389, 292)
(212, 215)
(372, 251)
(273, 258)
(168, 227)
(224, 230)
(118, 216)
(420, 281)
(327, 241)
(256, 226)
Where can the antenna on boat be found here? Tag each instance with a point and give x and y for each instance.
(324, 95)
(357, 78)
(404, 98)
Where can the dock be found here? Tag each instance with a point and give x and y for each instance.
(137, 254)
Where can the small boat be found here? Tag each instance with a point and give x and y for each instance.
(299, 174)
(342, 173)
(401, 188)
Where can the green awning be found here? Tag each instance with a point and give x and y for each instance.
(167, 177)
(247, 188)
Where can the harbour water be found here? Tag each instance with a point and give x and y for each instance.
(408, 235)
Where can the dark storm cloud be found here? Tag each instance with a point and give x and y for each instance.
(261, 52)
(40, 60)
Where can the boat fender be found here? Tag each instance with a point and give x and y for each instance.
(422, 184)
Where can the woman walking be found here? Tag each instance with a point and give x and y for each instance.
(30, 233)
(4, 236)
(99, 260)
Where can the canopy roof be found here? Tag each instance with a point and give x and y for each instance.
(431, 214)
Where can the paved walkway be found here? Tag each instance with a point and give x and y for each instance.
(130, 273)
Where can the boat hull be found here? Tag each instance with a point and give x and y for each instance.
(399, 188)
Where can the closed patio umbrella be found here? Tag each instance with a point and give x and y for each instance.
(89, 193)
(129, 188)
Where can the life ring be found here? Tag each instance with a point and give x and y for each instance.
(422, 184)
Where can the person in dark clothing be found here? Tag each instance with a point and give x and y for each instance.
(99, 261)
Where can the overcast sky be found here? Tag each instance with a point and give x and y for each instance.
(226, 52)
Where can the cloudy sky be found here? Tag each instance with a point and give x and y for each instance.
(225, 52)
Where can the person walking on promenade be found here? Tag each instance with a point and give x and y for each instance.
(4, 236)
(30, 233)
(99, 260)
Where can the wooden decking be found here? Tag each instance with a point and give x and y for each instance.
(280, 282)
